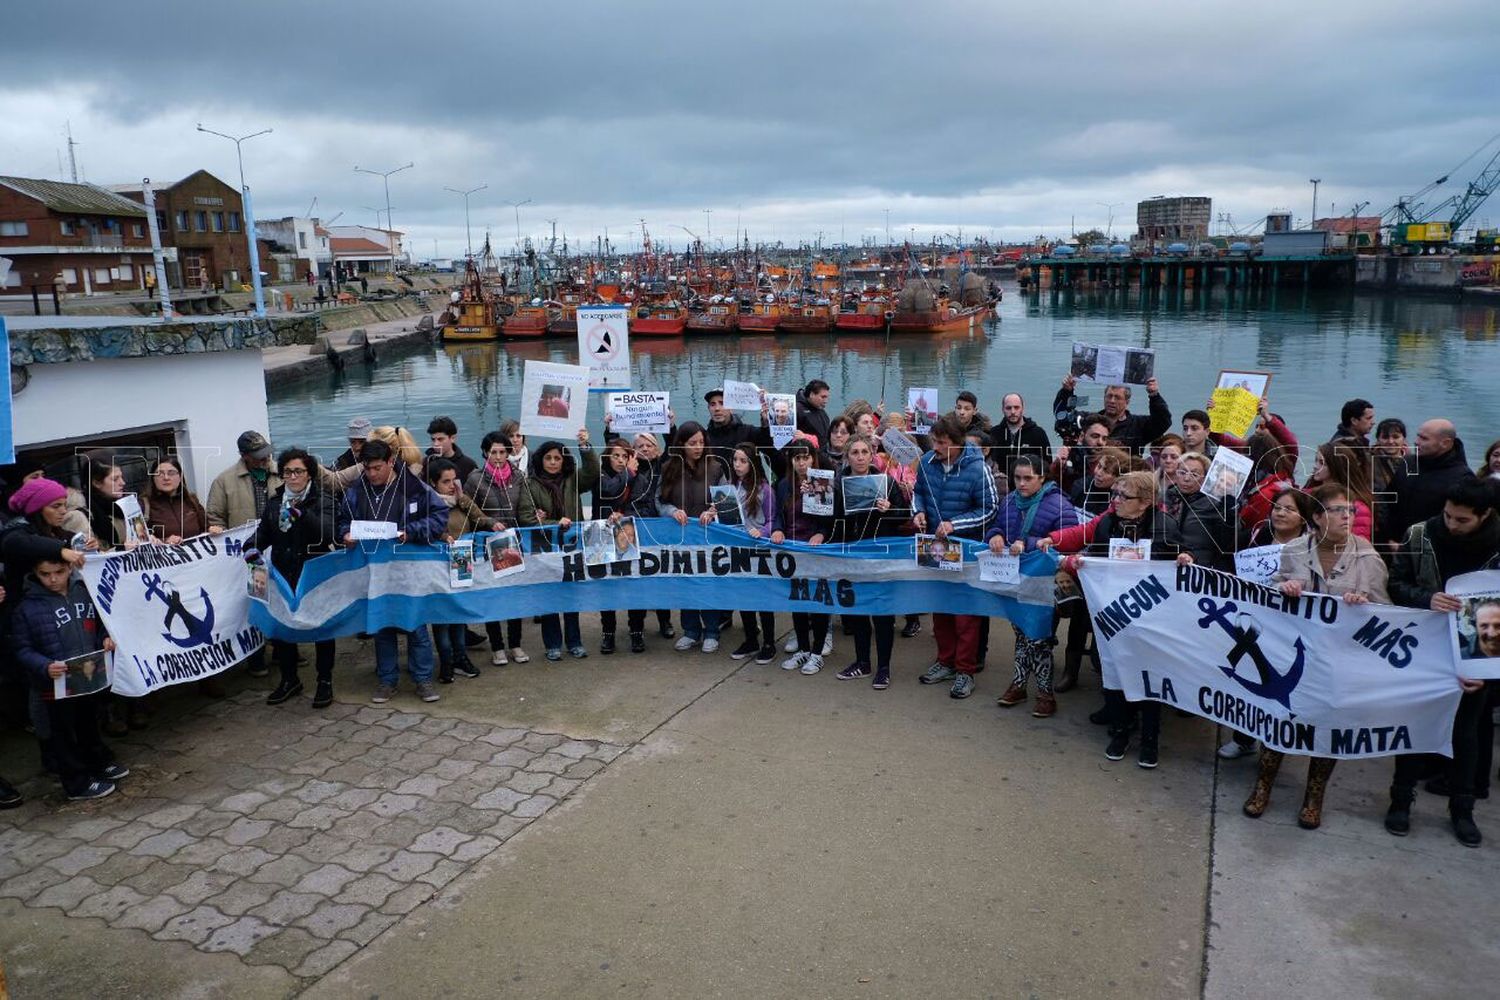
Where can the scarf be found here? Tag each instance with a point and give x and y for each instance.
(289, 500)
(1028, 507)
(501, 476)
(554, 487)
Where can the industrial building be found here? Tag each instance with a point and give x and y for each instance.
(1166, 219)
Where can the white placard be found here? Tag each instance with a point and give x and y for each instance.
(1124, 548)
(604, 345)
(746, 396)
(923, 404)
(461, 563)
(1227, 474)
(817, 493)
(1475, 629)
(136, 531)
(372, 531)
(639, 412)
(781, 418)
(554, 399)
(87, 673)
(900, 446)
(1004, 569)
(1259, 565)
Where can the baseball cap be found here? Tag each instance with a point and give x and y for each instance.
(359, 428)
(254, 444)
(708, 397)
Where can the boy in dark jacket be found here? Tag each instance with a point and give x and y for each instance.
(56, 621)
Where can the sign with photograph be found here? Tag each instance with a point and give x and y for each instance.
(554, 399)
(1475, 628)
(502, 550)
(1227, 474)
(604, 345)
(861, 492)
(725, 500)
(461, 563)
(817, 493)
(923, 406)
(943, 554)
(781, 417)
(1113, 365)
(86, 674)
(136, 531)
(606, 542)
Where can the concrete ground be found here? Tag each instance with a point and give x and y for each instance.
(685, 825)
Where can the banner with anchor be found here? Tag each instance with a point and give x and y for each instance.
(176, 612)
(1305, 675)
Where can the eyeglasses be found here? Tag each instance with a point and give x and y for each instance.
(1122, 495)
(1339, 508)
(290, 473)
(167, 472)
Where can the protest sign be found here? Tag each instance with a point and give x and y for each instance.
(639, 412)
(1227, 474)
(554, 399)
(1304, 675)
(781, 418)
(85, 674)
(1234, 412)
(1112, 365)
(944, 554)
(861, 492)
(136, 531)
(923, 406)
(372, 531)
(1256, 384)
(900, 447)
(365, 589)
(817, 493)
(1475, 629)
(1004, 569)
(176, 612)
(461, 562)
(1258, 565)
(1129, 550)
(598, 539)
(725, 500)
(746, 396)
(502, 551)
(604, 345)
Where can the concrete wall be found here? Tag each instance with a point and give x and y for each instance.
(208, 399)
(1435, 273)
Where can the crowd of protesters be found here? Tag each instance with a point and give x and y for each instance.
(1382, 516)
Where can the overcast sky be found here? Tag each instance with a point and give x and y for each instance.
(784, 119)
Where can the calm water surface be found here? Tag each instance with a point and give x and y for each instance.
(1415, 358)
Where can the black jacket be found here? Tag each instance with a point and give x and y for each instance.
(721, 440)
(22, 546)
(811, 420)
(313, 531)
(1430, 556)
(1007, 445)
(1089, 497)
(862, 524)
(1134, 431)
(466, 465)
(1208, 527)
(1166, 538)
(1423, 488)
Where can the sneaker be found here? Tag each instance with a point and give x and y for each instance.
(1234, 751)
(684, 644)
(578, 652)
(518, 655)
(554, 655)
(912, 629)
(1118, 744)
(1014, 695)
(791, 643)
(828, 643)
(1045, 706)
(963, 686)
(383, 693)
(794, 661)
(607, 644)
(284, 692)
(465, 668)
(937, 673)
(427, 692)
(854, 671)
(882, 679)
(323, 696)
(1146, 756)
(667, 631)
(767, 653)
(812, 664)
(498, 658)
(710, 645)
(744, 650)
(114, 772)
(10, 796)
(637, 642)
(94, 790)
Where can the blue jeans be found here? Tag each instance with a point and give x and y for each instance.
(701, 624)
(553, 630)
(418, 655)
(449, 639)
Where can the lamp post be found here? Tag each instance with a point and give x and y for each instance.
(465, 195)
(390, 230)
(517, 206)
(260, 298)
(1314, 181)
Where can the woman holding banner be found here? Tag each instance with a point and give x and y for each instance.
(1330, 559)
(499, 488)
(811, 630)
(888, 517)
(758, 501)
(686, 474)
(556, 484)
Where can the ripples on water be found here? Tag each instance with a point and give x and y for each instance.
(1415, 358)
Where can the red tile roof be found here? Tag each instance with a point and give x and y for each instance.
(356, 245)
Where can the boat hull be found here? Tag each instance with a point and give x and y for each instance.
(713, 323)
(656, 326)
(760, 323)
(455, 334)
(860, 322)
(524, 327)
(805, 324)
(563, 327)
(963, 320)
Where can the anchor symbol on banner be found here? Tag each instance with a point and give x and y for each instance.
(200, 630)
(1272, 684)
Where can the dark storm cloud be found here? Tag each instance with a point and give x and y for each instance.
(651, 104)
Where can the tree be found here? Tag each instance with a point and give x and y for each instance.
(1090, 237)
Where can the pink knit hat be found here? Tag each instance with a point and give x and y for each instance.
(35, 494)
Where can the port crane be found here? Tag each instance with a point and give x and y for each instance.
(1419, 228)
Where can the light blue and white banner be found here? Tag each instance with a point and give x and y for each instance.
(389, 585)
(1310, 675)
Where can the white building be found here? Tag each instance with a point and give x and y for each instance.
(365, 249)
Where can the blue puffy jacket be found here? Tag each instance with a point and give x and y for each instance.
(962, 494)
(47, 627)
(1053, 512)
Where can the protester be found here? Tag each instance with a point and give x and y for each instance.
(499, 488)
(687, 473)
(618, 481)
(1016, 435)
(648, 459)
(812, 410)
(464, 518)
(1490, 467)
(1130, 431)
(1464, 538)
(888, 517)
(357, 433)
(1345, 462)
(1071, 463)
(1134, 516)
(1391, 452)
(56, 621)
(1356, 418)
(1207, 525)
(238, 494)
(955, 496)
(36, 533)
(1330, 559)
(1440, 464)
(966, 409)
(1290, 518)
(557, 485)
(389, 491)
(520, 456)
(1033, 510)
(172, 511)
(444, 435)
(300, 522)
(404, 449)
(905, 477)
(1272, 465)
(725, 431)
(840, 430)
(1195, 436)
(795, 523)
(758, 501)
(106, 485)
(1165, 453)
(1091, 493)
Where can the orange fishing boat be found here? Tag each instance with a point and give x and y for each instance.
(764, 316)
(866, 312)
(474, 314)
(528, 320)
(808, 316)
(948, 317)
(718, 314)
(659, 319)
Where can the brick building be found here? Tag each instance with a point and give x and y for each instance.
(1173, 219)
(204, 219)
(78, 238)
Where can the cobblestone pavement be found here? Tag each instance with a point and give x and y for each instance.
(292, 840)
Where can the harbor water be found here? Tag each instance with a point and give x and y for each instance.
(1415, 358)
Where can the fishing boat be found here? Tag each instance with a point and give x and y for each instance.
(527, 320)
(474, 313)
(946, 317)
(865, 312)
(810, 315)
(717, 314)
(562, 313)
(921, 308)
(764, 316)
(667, 318)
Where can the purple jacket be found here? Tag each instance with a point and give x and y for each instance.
(1053, 512)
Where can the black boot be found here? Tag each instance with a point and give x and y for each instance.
(463, 665)
(445, 668)
(607, 644)
(10, 796)
(1398, 816)
(288, 689)
(1461, 812)
(323, 696)
(637, 642)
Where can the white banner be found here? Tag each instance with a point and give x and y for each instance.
(604, 345)
(176, 612)
(1305, 675)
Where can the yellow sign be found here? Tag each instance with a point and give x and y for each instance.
(1234, 412)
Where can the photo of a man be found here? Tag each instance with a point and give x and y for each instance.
(1483, 642)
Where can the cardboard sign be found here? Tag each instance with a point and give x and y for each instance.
(1004, 569)
(1234, 412)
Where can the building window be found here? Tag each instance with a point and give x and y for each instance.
(69, 276)
(182, 222)
(14, 229)
(218, 222)
(12, 279)
(302, 241)
(127, 272)
(234, 222)
(201, 222)
(67, 227)
(101, 275)
(138, 230)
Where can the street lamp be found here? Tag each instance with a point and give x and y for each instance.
(260, 298)
(390, 230)
(517, 206)
(465, 195)
(1315, 181)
